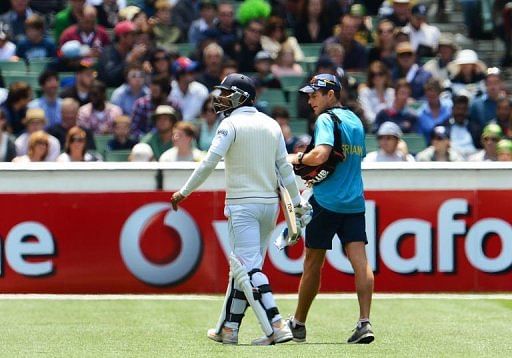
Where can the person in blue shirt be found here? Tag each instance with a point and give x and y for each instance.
(338, 203)
(49, 102)
(35, 45)
(435, 111)
(483, 108)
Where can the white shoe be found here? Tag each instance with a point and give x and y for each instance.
(226, 336)
(282, 334)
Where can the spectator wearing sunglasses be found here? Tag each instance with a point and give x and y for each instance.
(75, 149)
(491, 135)
(134, 88)
(440, 149)
(378, 94)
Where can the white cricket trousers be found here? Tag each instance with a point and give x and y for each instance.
(250, 226)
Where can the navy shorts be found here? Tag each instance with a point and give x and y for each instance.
(325, 223)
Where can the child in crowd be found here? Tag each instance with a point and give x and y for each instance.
(122, 139)
(35, 45)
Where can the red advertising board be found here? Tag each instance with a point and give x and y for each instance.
(419, 241)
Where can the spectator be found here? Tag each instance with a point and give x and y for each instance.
(83, 82)
(384, 49)
(7, 48)
(250, 45)
(130, 91)
(286, 64)
(336, 53)
(213, 55)
(37, 148)
(491, 135)
(363, 24)
(504, 150)
(435, 111)
(7, 146)
(16, 18)
(49, 101)
(87, 32)
(483, 108)
(69, 115)
(183, 150)
(467, 74)
(121, 139)
(313, 23)
(398, 113)
(464, 136)
(401, 13)
(264, 77)
(75, 149)
(251, 10)
(228, 67)
(67, 17)
(407, 68)
(439, 150)
(378, 94)
(187, 95)
(275, 39)
(15, 106)
(35, 121)
(355, 53)
(160, 139)
(282, 117)
(141, 152)
(159, 90)
(206, 21)
(98, 115)
(438, 66)
(69, 58)
(388, 136)
(208, 123)
(116, 57)
(226, 32)
(35, 45)
(184, 13)
(424, 38)
(160, 62)
(166, 32)
(503, 115)
(108, 11)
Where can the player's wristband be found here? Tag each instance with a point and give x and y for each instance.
(300, 155)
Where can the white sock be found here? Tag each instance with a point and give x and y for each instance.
(295, 323)
(361, 321)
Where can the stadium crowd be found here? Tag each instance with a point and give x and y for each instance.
(88, 80)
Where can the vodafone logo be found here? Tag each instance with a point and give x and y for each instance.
(180, 266)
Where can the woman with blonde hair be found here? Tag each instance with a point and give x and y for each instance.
(286, 64)
(75, 149)
(38, 143)
(378, 94)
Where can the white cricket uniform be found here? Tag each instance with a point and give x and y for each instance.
(253, 147)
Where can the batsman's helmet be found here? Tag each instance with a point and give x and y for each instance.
(234, 91)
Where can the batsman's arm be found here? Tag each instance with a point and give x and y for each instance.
(285, 170)
(201, 173)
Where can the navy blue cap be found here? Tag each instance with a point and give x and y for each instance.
(322, 81)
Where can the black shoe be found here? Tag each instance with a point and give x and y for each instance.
(298, 331)
(362, 334)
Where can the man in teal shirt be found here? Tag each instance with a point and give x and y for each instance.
(338, 204)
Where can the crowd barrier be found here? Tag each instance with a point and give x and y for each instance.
(108, 228)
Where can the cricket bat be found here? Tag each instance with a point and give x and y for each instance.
(288, 211)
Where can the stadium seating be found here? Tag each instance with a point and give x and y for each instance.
(101, 142)
(10, 66)
(117, 155)
(415, 142)
(38, 65)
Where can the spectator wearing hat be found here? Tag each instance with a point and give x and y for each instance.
(49, 102)
(401, 12)
(69, 115)
(398, 113)
(435, 111)
(491, 135)
(206, 21)
(166, 32)
(160, 139)
(35, 45)
(134, 88)
(37, 148)
(159, 90)
(183, 145)
(116, 57)
(121, 139)
(7, 48)
(407, 68)
(213, 56)
(384, 49)
(99, 114)
(264, 76)
(7, 146)
(275, 38)
(464, 135)
(388, 137)
(440, 149)
(313, 25)
(363, 23)
(83, 81)
(424, 38)
(355, 53)
(226, 31)
(87, 32)
(378, 94)
(15, 106)
(67, 17)
(187, 95)
(446, 50)
(69, 57)
(467, 74)
(35, 121)
(16, 18)
(504, 115)
(504, 150)
(483, 108)
(141, 152)
(75, 149)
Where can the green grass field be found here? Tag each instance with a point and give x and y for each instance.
(177, 328)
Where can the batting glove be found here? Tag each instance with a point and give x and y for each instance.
(303, 213)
